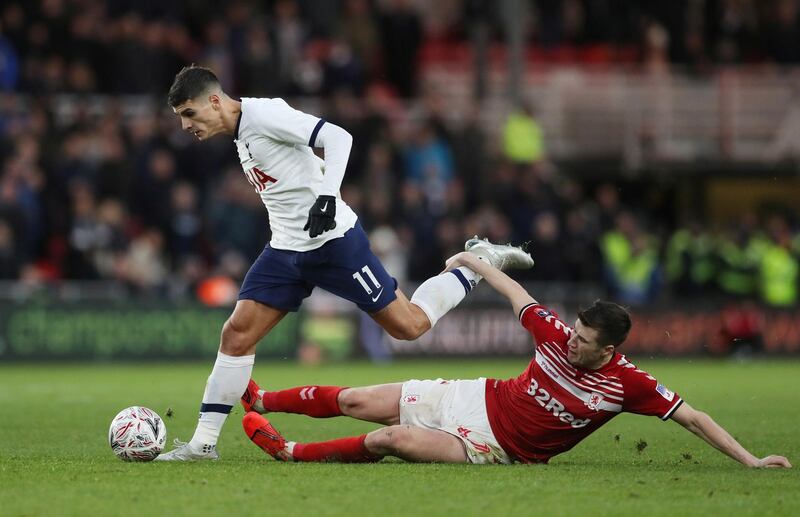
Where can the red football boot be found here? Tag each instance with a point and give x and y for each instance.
(261, 433)
(251, 398)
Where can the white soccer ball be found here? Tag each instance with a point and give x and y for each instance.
(137, 434)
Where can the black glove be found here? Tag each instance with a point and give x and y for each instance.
(322, 216)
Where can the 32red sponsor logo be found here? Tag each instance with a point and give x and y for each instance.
(543, 397)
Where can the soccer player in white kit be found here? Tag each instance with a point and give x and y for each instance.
(316, 240)
(575, 383)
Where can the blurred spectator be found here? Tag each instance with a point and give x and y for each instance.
(10, 259)
(342, 69)
(217, 54)
(429, 164)
(85, 234)
(152, 197)
(608, 204)
(186, 223)
(112, 237)
(257, 65)
(779, 270)
(523, 141)
(631, 262)
(690, 260)
(401, 32)
(387, 246)
(740, 251)
(547, 249)
(238, 218)
(359, 30)
(471, 151)
(781, 30)
(579, 247)
(144, 267)
(291, 32)
(9, 63)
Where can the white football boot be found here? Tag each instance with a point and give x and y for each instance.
(501, 256)
(183, 452)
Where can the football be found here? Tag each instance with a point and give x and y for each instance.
(137, 434)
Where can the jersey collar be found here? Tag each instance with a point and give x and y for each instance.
(238, 122)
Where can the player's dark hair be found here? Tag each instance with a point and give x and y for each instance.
(611, 321)
(191, 82)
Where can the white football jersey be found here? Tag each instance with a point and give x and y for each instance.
(274, 143)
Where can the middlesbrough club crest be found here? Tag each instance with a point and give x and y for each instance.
(594, 400)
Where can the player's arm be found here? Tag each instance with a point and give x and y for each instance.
(286, 124)
(500, 281)
(706, 428)
(337, 144)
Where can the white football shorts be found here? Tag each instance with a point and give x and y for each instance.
(456, 407)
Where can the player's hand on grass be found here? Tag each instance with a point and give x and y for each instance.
(773, 461)
(321, 216)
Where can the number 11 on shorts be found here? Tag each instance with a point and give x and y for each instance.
(363, 283)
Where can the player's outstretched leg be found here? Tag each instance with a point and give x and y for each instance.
(344, 450)
(379, 403)
(404, 441)
(249, 322)
(438, 295)
(501, 256)
(314, 401)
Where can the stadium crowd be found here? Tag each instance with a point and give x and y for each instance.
(108, 187)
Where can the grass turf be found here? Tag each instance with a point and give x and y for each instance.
(55, 460)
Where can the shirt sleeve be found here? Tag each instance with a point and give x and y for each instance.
(644, 395)
(544, 324)
(283, 123)
(337, 143)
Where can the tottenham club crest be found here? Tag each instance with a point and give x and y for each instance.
(594, 401)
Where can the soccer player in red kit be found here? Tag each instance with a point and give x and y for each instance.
(576, 382)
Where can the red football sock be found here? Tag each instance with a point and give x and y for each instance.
(316, 401)
(344, 450)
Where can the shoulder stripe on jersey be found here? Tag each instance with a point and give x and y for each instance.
(560, 356)
(606, 380)
(587, 379)
(522, 310)
(313, 139)
(672, 410)
(576, 391)
(603, 385)
(543, 360)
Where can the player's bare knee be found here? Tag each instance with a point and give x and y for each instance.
(409, 330)
(397, 333)
(349, 400)
(395, 439)
(384, 441)
(376, 442)
(234, 339)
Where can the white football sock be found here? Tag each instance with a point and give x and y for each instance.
(224, 388)
(437, 295)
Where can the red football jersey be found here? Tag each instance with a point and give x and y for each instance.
(553, 405)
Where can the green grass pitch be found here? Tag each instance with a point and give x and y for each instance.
(55, 460)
